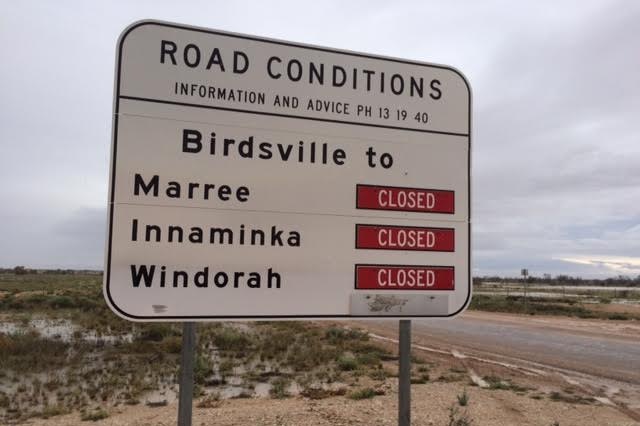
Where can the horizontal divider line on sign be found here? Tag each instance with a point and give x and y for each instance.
(362, 140)
(439, 218)
(160, 101)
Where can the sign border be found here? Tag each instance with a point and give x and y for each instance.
(114, 149)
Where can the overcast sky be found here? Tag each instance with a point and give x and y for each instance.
(556, 148)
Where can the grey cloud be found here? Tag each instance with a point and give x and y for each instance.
(556, 100)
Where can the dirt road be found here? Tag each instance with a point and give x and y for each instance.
(604, 348)
(598, 355)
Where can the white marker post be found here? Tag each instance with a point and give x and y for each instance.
(256, 179)
(525, 273)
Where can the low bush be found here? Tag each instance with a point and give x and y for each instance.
(347, 363)
(364, 393)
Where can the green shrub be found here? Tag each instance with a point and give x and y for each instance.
(347, 363)
(201, 369)
(228, 339)
(618, 317)
(53, 410)
(30, 352)
(61, 302)
(364, 393)
(337, 335)
(279, 388)
(463, 398)
(155, 332)
(172, 345)
(94, 415)
(457, 418)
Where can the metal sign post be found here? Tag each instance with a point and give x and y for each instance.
(185, 403)
(404, 374)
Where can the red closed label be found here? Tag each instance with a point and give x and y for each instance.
(387, 237)
(374, 197)
(405, 277)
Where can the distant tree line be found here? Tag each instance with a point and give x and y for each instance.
(619, 281)
(22, 270)
(566, 280)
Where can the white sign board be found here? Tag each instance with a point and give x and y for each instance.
(255, 179)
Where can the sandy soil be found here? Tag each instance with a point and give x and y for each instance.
(430, 404)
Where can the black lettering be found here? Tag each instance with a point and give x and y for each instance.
(168, 48)
(276, 237)
(294, 239)
(192, 187)
(208, 187)
(269, 63)
(191, 141)
(399, 88)
(177, 230)
(142, 273)
(214, 59)
(368, 73)
(220, 279)
(139, 184)
(195, 235)
(271, 277)
(265, 151)
(239, 68)
(417, 86)
(254, 280)
(435, 86)
(201, 278)
(242, 194)
(343, 80)
(319, 73)
(245, 148)
(285, 153)
(227, 144)
(134, 230)
(222, 233)
(223, 192)
(290, 73)
(155, 229)
(236, 279)
(173, 189)
(180, 275)
(191, 48)
(257, 234)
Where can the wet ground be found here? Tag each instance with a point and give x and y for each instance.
(602, 355)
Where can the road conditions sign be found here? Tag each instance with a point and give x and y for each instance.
(256, 178)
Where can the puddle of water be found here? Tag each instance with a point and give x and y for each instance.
(168, 394)
(603, 400)
(229, 392)
(477, 379)
(234, 381)
(249, 379)
(9, 328)
(62, 329)
(261, 390)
